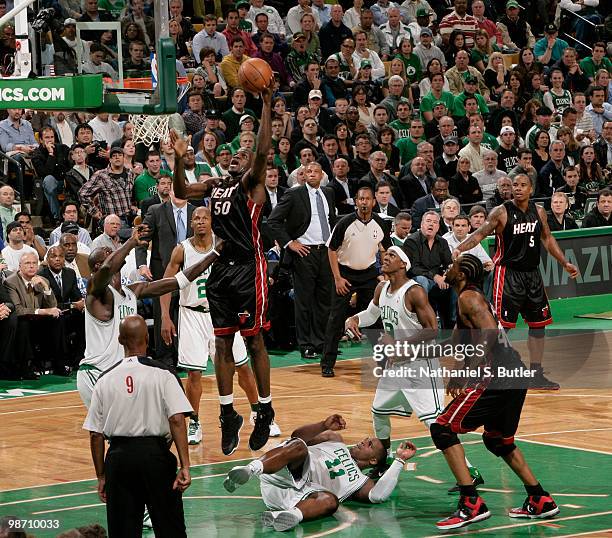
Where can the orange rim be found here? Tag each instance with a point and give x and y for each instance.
(140, 83)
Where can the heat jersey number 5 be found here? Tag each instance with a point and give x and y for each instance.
(222, 207)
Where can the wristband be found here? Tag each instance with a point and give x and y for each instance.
(182, 280)
(400, 460)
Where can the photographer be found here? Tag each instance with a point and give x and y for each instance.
(70, 51)
(50, 160)
(97, 154)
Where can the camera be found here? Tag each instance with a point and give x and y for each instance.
(44, 20)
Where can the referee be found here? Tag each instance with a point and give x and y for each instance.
(353, 246)
(140, 407)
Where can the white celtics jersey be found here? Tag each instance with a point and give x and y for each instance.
(103, 349)
(195, 293)
(332, 467)
(393, 313)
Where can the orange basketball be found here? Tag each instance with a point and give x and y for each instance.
(254, 75)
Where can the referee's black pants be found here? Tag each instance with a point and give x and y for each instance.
(312, 282)
(141, 471)
(364, 287)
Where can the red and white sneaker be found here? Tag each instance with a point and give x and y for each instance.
(536, 507)
(469, 510)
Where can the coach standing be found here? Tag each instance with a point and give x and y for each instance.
(302, 222)
(353, 246)
(140, 406)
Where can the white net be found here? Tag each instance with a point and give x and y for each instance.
(152, 129)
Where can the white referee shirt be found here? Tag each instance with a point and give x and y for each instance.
(136, 398)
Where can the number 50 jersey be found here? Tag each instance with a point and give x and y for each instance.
(332, 467)
(235, 219)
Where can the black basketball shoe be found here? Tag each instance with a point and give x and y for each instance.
(261, 431)
(230, 432)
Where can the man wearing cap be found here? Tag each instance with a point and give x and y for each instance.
(334, 32)
(549, 49)
(461, 71)
(425, 49)
(213, 117)
(298, 58)
(394, 29)
(294, 16)
(415, 9)
(70, 51)
(516, 32)
(458, 19)
(507, 151)
(363, 56)
(470, 89)
(375, 39)
(224, 156)
(543, 123)
(275, 21)
(445, 164)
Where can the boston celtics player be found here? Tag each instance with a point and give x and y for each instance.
(407, 316)
(308, 476)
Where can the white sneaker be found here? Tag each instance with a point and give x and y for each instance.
(194, 433)
(275, 430)
(237, 477)
(281, 520)
(146, 520)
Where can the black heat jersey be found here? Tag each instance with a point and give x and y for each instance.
(236, 219)
(518, 245)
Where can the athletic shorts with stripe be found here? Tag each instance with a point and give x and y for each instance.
(238, 297)
(86, 379)
(401, 396)
(499, 411)
(282, 490)
(520, 292)
(196, 341)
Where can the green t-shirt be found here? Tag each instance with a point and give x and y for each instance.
(428, 100)
(145, 186)
(114, 8)
(412, 65)
(402, 129)
(407, 149)
(476, 56)
(246, 25)
(231, 120)
(589, 68)
(459, 108)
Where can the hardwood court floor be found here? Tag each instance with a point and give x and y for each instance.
(46, 469)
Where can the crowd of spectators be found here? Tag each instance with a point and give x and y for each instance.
(420, 112)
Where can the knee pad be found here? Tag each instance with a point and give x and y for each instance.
(535, 332)
(382, 425)
(497, 445)
(442, 436)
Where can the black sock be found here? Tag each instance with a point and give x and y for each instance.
(227, 409)
(468, 491)
(535, 491)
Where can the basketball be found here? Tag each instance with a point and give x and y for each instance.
(254, 75)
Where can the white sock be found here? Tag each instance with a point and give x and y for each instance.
(256, 467)
(226, 400)
(297, 512)
(468, 463)
(267, 399)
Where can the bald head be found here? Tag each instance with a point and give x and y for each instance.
(97, 257)
(134, 336)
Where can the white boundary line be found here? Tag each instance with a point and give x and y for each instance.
(558, 445)
(584, 533)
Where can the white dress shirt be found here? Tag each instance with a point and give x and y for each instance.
(273, 197)
(314, 234)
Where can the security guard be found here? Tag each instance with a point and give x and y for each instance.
(140, 407)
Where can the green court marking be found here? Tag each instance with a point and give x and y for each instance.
(580, 479)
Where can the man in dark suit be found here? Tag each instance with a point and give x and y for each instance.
(416, 184)
(302, 223)
(164, 184)
(63, 283)
(439, 193)
(330, 153)
(273, 195)
(383, 206)
(38, 317)
(169, 225)
(603, 146)
(8, 331)
(343, 187)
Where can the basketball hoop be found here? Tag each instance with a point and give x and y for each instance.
(151, 129)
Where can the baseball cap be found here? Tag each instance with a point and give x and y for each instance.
(507, 129)
(451, 140)
(422, 12)
(115, 150)
(243, 3)
(190, 149)
(333, 57)
(471, 80)
(544, 111)
(223, 147)
(313, 94)
(550, 29)
(298, 35)
(512, 3)
(69, 227)
(70, 21)
(426, 31)
(437, 103)
(365, 63)
(213, 114)
(246, 117)
(11, 226)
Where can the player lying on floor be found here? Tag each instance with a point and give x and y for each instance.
(309, 475)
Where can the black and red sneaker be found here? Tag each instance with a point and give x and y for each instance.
(469, 510)
(536, 507)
